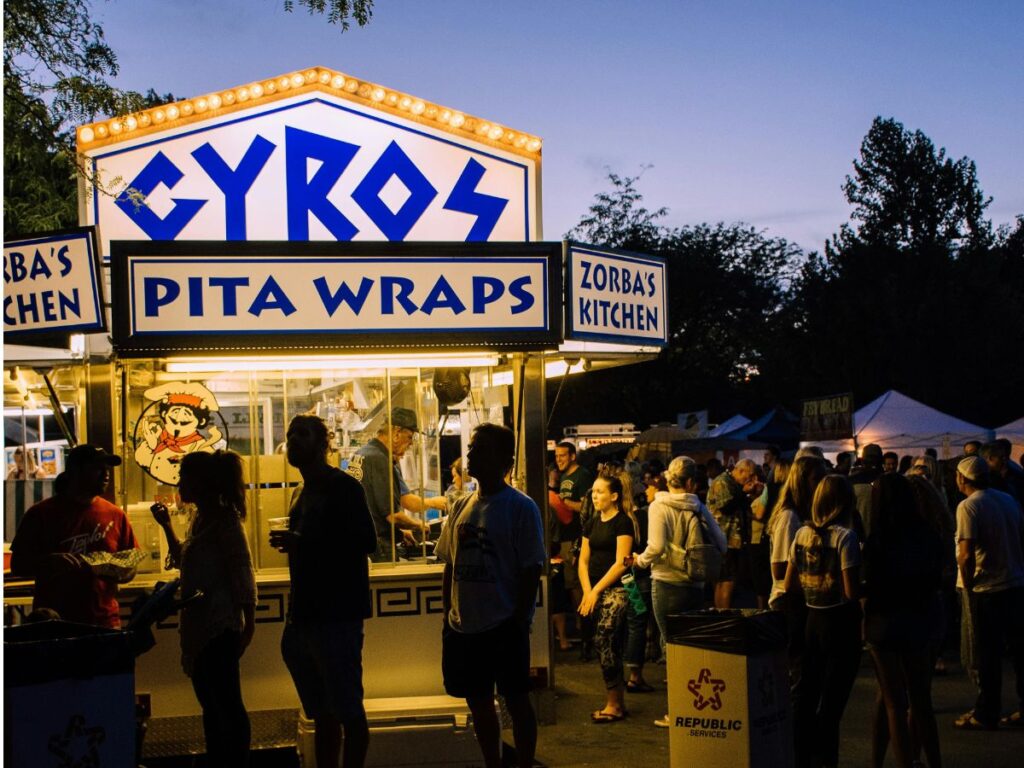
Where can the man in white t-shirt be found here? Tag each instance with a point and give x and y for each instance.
(990, 553)
(493, 550)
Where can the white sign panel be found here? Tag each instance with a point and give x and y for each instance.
(250, 295)
(615, 296)
(314, 167)
(51, 285)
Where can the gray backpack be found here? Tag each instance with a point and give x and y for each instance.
(700, 559)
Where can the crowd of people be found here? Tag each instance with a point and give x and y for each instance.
(879, 552)
(855, 555)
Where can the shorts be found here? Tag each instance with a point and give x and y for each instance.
(570, 566)
(730, 565)
(325, 660)
(473, 664)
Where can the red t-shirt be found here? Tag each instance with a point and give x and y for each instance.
(57, 525)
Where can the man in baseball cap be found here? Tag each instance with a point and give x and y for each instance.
(989, 527)
(392, 503)
(76, 544)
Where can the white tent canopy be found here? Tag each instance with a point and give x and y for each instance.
(1014, 432)
(901, 424)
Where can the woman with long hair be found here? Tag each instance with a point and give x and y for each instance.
(791, 510)
(608, 538)
(824, 564)
(904, 561)
(215, 629)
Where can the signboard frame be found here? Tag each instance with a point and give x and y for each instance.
(50, 337)
(229, 344)
(571, 329)
(818, 427)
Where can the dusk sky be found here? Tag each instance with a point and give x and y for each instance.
(747, 111)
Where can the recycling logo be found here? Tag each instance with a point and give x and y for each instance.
(707, 691)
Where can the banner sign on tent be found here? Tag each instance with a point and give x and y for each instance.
(827, 418)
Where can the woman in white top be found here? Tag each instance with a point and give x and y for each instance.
(672, 591)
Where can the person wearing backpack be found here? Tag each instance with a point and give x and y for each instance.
(824, 563)
(677, 522)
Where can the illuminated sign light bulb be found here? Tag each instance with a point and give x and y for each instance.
(256, 91)
(101, 131)
(186, 108)
(533, 145)
(495, 133)
(521, 141)
(325, 77)
(445, 116)
(228, 98)
(201, 105)
(131, 123)
(269, 87)
(144, 120)
(352, 86)
(298, 80)
(483, 128)
(311, 75)
(458, 120)
(405, 103)
(377, 94)
(430, 112)
(242, 94)
(115, 126)
(159, 116)
(284, 84)
(172, 112)
(392, 99)
(338, 82)
(87, 135)
(215, 101)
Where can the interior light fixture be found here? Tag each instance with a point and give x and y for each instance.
(206, 365)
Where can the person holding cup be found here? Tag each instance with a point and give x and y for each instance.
(217, 627)
(329, 538)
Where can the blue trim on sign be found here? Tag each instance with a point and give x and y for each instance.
(98, 324)
(343, 108)
(135, 260)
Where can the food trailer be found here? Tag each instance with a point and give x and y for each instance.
(316, 243)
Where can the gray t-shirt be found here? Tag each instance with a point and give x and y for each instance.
(382, 481)
(489, 541)
(991, 520)
(780, 536)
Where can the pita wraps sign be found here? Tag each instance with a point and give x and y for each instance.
(312, 160)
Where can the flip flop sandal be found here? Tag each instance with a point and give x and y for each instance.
(968, 722)
(1014, 720)
(600, 717)
(639, 687)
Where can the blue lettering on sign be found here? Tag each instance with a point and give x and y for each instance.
(343, 295)
(310, 196)
(621, 280)
(16, 269)
(394, 162)
(465, 199)
(159, 170)
(235, 184)
(305, 196)
(395, 293)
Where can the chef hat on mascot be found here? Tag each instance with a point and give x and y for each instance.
(192, 394)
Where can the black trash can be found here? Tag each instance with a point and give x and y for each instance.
(728, 690)
(69, 696)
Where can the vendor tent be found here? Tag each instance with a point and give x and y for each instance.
(729, 425)
(1014, 432)
(901, 424)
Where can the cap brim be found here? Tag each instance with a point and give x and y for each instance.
(111, 460)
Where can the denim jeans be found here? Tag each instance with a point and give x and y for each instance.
(671, 598)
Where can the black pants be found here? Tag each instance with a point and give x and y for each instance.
(831, 660)
(218, 686)
(998, 617)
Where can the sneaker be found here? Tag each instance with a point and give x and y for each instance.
(663, 722)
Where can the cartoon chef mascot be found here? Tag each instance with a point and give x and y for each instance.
(183, 408)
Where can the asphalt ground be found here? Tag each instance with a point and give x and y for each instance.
(574, 742)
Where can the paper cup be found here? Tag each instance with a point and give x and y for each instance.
(278, 523)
